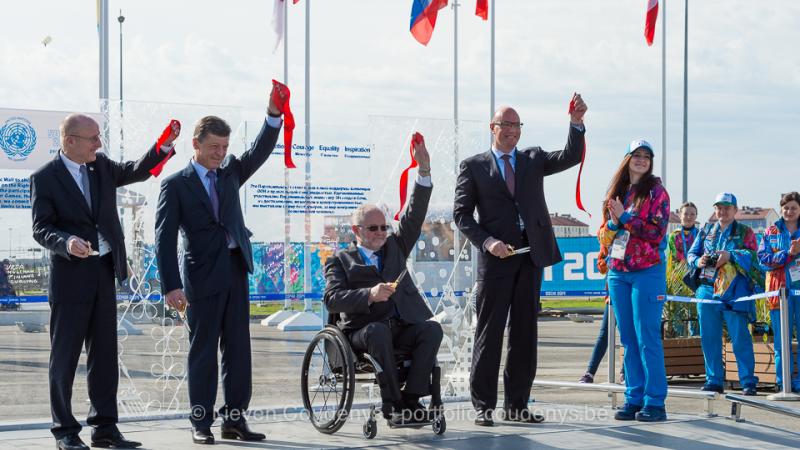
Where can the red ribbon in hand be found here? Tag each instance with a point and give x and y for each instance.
(288, 122)
(415, 139)
(578, 201)
(173, 125)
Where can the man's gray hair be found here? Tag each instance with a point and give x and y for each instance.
(358, 215)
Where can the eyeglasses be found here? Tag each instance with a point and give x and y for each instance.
(90, 139)
(506, 124)
(375, 228)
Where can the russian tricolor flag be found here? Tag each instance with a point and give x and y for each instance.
(423, 18)
(650, 21)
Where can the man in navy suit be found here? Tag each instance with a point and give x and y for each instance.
(505, 186)
(202, 201)
(74, 207)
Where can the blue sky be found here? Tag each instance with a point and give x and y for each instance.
(743, 79)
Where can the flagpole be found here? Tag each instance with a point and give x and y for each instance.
(664, 92)
(491, 63)
(456, 235)
(307, 282)
(287, 219)
(103, 31)
(455, 74)
(286, 42)
(686, 103)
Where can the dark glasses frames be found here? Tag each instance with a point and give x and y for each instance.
(375, 228)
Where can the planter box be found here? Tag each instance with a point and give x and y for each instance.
(765, 362)
(682, 357)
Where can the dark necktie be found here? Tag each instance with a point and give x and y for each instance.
(87, 193)
(214, 197)
(379, 259)
(509, 172)
(212, 192)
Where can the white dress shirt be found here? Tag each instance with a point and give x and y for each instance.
(75, 170)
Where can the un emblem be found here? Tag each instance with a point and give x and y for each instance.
(17, 138)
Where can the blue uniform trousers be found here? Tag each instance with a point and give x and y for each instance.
(711, 317)
(638, 301)
(794, 327)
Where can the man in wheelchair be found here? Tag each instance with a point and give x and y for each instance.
(377, 305)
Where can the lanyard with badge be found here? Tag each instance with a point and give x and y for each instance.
(794, 272)
(794, 267)
(710, 271)
(620, 243)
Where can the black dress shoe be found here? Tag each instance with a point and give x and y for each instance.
(484, 418)
(115, 440)
(71, 442)
(240, 430)
(202, 436)
(522, 415)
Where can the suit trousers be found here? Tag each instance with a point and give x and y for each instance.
(221, 320)
(91, 320)
(517, 293)
(382, 340)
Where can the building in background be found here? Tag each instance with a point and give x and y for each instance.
(674, 221)
(756, 218)
(565, 225)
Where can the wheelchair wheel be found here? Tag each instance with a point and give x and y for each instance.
(439, 425)
(328, 380)
(370, 428)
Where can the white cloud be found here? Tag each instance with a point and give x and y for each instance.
(743, 75)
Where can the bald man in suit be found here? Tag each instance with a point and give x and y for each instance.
(74, 207)
(506, 187)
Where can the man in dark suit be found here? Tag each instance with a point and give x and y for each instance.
(74, 207)
(202, 201)
(377, 315)
(505, 186)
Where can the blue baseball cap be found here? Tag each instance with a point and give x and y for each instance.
(637, 144)
(725, 198)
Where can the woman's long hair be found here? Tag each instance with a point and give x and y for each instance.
(622, 179)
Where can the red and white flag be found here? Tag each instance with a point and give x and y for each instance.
(277, 21)
(482, 9)
(650, 21)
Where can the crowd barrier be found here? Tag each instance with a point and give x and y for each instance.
(614, 389)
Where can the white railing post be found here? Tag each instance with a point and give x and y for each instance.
(612, 352)
(786, 353)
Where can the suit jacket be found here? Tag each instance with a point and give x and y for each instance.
(60, 211)
(480, 186)
(349, 278)
(184, 205)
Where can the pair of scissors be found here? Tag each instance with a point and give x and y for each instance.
(512, 251)
(399, 278)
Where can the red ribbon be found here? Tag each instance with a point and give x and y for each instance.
(415, 139)
(288, 122)
(578, 201)
(173, 125)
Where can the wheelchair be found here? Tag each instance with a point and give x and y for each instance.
(328, 382)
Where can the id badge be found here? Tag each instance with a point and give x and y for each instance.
(619, 245)
(794, 272)
(708, 273)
